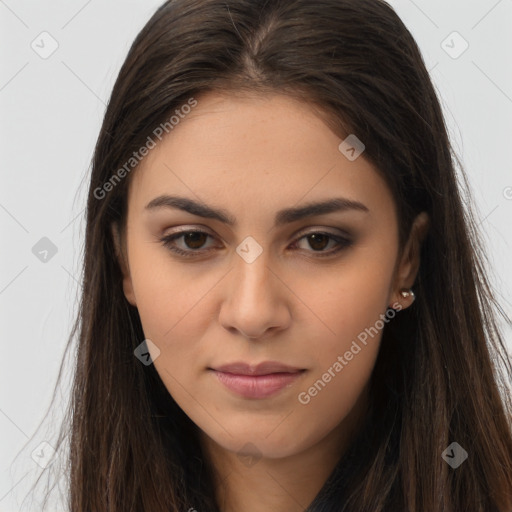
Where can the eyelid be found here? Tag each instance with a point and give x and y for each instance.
(322, 229)
(311, 229)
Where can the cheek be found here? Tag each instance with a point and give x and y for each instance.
(173, 316)
(343, 356)
(342, 361)
(171, 308)
(350, 309)
(345, 301)
(168, 293)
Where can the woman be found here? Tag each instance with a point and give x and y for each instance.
(284, 302)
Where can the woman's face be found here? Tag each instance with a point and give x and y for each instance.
(279, 283)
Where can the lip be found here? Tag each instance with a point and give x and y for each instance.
(264, 368)
(260, 381)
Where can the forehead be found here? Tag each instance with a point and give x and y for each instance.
(255, 151)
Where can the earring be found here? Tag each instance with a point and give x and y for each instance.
(406, 293)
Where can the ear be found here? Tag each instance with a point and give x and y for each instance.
(122, 259)
(409, 265)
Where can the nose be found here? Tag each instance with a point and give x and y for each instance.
(256, 300)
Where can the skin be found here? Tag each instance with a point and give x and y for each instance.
(252, 156)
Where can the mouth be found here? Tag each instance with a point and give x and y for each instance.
(264, 368)
(260, 381)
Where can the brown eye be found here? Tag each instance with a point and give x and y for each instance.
(195, 239)
(191, 242)
(318, 241)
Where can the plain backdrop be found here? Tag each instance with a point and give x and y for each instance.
(51, 110)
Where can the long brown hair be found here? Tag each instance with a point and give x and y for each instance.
(442, 374)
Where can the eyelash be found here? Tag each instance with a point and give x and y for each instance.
(343, 243)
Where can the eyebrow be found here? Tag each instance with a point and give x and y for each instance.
(285, 216)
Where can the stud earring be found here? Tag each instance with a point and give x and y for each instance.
(406, 293)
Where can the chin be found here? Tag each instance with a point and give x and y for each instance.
(257, 443)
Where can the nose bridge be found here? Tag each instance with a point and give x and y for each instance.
(252, 276)
(253, 304)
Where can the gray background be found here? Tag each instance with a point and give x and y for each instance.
(51, 110)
